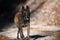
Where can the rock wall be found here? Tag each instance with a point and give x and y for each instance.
(47, 16)
(51, 12)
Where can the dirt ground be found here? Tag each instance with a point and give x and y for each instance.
(4, 38)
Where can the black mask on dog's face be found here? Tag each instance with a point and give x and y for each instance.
(26, 13)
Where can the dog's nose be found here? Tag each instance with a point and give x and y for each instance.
(27, 18)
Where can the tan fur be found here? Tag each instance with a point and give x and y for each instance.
(21, 18)
(18, 20)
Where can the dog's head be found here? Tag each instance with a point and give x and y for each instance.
(26, 14)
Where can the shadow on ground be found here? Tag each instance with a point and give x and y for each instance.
(34, 37)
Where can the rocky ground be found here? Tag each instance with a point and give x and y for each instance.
(35, 34)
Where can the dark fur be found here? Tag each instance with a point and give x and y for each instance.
(23, 18)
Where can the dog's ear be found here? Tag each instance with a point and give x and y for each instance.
(28, 11)
(27, 7)
(23, 8)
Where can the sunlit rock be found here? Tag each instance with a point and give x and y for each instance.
(48, 16)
